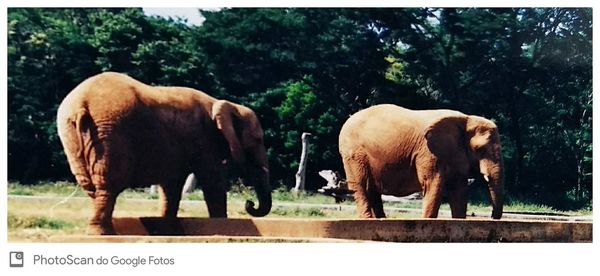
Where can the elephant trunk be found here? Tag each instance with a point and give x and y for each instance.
(259, 178)
(496, 196)
(493, 174)
(263, 193)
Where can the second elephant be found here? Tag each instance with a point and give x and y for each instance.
(388, 149)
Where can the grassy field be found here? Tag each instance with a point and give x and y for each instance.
(62, 208)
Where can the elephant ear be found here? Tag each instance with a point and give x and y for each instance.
(446, 138)
(224, 114)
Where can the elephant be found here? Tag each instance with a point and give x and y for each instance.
(119, 133)
(388, 149)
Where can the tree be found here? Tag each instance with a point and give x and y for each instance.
(307, 70)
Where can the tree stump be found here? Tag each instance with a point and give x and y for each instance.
(301, 174)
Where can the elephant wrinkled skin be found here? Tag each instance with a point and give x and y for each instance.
(387, 149)
(118, 133)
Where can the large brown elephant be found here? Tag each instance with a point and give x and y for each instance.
(118, 133)
(387, 149)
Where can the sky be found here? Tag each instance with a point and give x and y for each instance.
(191, 14)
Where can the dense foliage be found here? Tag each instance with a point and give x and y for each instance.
(307, 70)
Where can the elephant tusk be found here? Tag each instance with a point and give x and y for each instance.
(486, 177)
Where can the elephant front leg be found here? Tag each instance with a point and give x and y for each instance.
(101, 221)
(432, 197)
(212, 180)
(457, 198)
(216, 200)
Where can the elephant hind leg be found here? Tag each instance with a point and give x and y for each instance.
(110, 169)
(363, 206)
(101, 221)
(74, 145)
(108, 184)
(357, 176)
(86, 183)
(375, 202)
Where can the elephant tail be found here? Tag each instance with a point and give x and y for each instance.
(82, 119)
(74, 131)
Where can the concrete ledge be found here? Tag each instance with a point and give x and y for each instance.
(391, 230)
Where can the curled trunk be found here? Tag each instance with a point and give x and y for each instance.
(258, 176)
(263, 192)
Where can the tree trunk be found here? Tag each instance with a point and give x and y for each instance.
(300, 175)
(190, 184)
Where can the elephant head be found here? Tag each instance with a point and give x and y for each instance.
(484, 146)
(244, 135)
(474, 141)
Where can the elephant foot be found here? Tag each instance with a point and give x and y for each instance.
(98, 229)
(366, 215)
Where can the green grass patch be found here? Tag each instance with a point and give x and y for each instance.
(22, 192)
(409, 205)
(195, 195)
(59, 188)
(15, 222)
(529, 207)
(298, 212)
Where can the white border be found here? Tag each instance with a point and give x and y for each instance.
(309, 259)
(300, 3)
